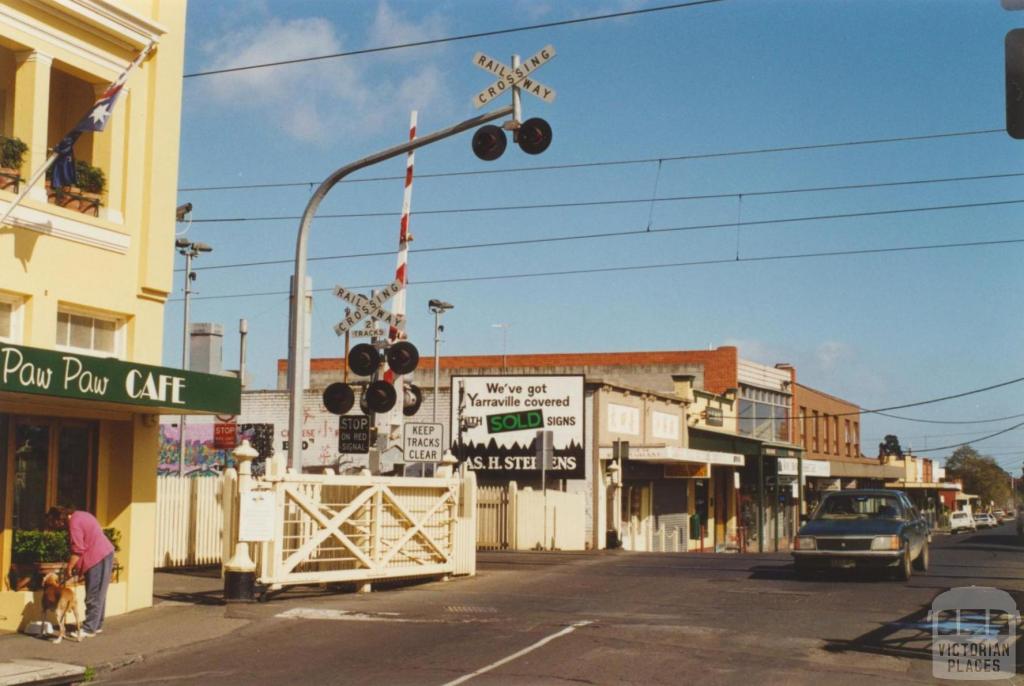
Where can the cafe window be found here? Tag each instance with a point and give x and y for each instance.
(10, 319)
(88, 334)
(52, 462)
(764, 414)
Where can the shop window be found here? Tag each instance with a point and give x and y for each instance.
(53, 463)
(10, 319)
(88, 334)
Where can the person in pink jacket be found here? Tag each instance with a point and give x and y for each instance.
(92, 557)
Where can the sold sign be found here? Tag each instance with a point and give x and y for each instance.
(515, 421)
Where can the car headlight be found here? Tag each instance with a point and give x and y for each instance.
(806, 543)
(886, 543)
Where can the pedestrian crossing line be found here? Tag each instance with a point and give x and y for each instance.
(516, 655)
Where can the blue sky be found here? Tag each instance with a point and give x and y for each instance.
(878, 329)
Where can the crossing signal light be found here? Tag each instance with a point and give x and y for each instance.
(380, 396)
(489, 142)
(1015, 83)
(339, 398)
(534, 136)
(363, 359)
(412, 401)
(402, 357)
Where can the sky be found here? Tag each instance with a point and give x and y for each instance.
(652, 109)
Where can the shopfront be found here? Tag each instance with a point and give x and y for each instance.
(83, 431)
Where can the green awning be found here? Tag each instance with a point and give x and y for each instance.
(57, 374)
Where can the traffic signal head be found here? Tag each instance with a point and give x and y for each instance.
(339, 398)
(380, 396)
(363, 359)
(1015, 83)
(534, 136)
(412, 401)
(489, 142)
(403, 357)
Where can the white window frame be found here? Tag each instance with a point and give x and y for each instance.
(119, 332)
(16, 304)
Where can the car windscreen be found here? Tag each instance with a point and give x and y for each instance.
(859, 506)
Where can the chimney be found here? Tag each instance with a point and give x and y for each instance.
(206, 343)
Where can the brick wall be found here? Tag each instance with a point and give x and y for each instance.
(831, 413)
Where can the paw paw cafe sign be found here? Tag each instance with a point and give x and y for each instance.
(82, 377)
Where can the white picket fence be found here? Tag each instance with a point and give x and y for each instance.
(189, 521)
(510, 518)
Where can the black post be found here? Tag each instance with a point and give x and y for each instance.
(760, 502)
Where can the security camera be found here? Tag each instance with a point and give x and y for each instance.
(201, 247)
(179, 214)
(181, 243)
(439, 306)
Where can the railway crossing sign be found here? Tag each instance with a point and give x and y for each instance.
(515, 77)
(363, 307)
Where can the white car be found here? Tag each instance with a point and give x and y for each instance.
(986, 520)
(961, 521)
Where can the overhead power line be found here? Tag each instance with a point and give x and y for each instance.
(619, 234)
(618, 201)
(976, 440)
(610, 163)
(940, 421)
(451, 39)
(643, 267)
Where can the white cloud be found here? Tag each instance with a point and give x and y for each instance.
(323, 99)
(391, 28)
(830, 355)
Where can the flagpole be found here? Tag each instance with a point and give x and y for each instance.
(28, 186)
(53, 156)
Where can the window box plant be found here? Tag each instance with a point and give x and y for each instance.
(86, 194)
(12, 154)
(34, 554)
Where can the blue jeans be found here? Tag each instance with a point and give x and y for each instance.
(97, 579)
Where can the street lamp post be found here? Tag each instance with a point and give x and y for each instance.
(438, 307)
(189, 249)
(296, 329)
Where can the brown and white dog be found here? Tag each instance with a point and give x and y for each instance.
(59, 598)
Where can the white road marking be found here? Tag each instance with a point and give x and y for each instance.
(528, 649)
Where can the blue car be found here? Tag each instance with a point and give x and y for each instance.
(876, 528)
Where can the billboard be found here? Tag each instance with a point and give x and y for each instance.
(495, 420)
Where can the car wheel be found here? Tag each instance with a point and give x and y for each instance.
(905, 570)
(921, 563)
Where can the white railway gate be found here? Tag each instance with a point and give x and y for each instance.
(330, 528)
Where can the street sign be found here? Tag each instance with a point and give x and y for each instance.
(367, 308)
(514, 77)
(225, 435)
(353, 433)
(423, 442)
(368, 333)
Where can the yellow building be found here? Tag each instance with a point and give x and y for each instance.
(84, 278)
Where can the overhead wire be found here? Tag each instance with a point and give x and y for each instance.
(641, 267)
(622, 233)
(588, 203)
(608, 163)
(451, 39)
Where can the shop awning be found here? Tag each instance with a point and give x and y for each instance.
(965, 496)
(931, 485)
(113, 383)
(668, 454)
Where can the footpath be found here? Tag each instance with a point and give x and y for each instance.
(187, 609)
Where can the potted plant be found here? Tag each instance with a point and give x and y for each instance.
(34, 554)
(85, 195)
(12, 153)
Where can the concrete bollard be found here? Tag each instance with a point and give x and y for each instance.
(240, 570)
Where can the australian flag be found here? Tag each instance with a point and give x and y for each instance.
(63, 170)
